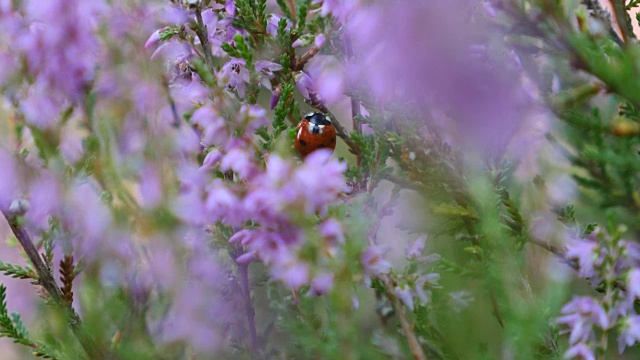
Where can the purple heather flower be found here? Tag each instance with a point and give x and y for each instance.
(367, 129)
(340, 9)
(172, 51)
(632, 249)
(363, 111)
(479, 97)
(40, 107)
(272, 25)
(278, 171)
(61, 50)
(173, 15)
(190, 207)
(154, 39)
(580, 315)
(240, 161)
(633, 284)
(428, 281)
(330, 85)
(293, 276)
(303, 41)
(460, 300)
(305, 84)
(19, 207)
(275, 98)
(252, 117)
(310, 187)
(241, 237)
(266, 69)
(247, 257)
(235, 75)
(429, 259)
(221, 203)
(319, 40)
(210, 19)
(581, 351)
(374, 262)
(215, 131)
(230, 7)
(630, 333)
(332, 231)
(585, 252)
(404, 293)
(211, 160)
(188, 93)
(319, 180)
(416, 249)
(321, 284)
(274, 248)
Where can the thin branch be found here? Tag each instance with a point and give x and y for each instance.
(407, 328)
(355, 105)
(313, 51)
(292, 9)
(305, 58)
(243, 270)
(46, 279)
(551, 248)
(172, 103)
(601, 14)
(403, 182)
(623, 19)
(385, 210)
(203, 34)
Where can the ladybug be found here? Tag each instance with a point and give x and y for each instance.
(315, 131)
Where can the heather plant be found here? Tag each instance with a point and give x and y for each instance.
(482, 200)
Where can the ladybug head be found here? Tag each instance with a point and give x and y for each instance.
(317, 118)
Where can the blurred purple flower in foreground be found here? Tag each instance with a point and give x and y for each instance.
(204, 306)
(374, 262)
(482, 94)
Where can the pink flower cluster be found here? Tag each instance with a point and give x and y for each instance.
(267, 199)
(609, 262)
(57, 42)
(272, 200)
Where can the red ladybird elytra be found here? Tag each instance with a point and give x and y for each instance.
(314, 132)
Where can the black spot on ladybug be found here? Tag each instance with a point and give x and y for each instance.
(317, 118)
(303, 143)
(322, 146)
(333, 140)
